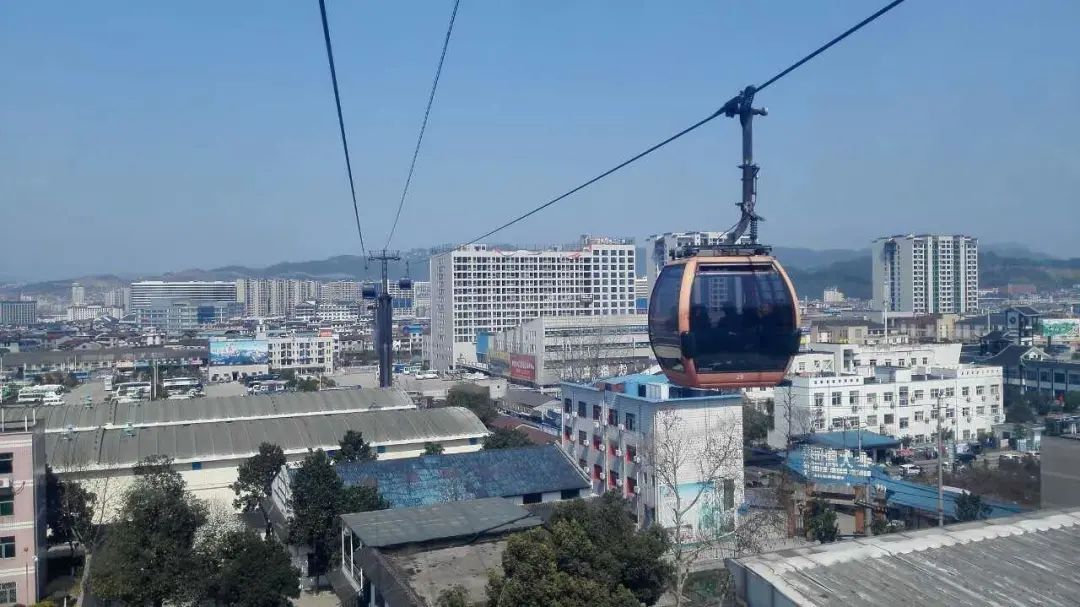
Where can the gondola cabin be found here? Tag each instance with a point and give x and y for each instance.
(724, 321)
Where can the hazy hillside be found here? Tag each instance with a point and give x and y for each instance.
(812, 271)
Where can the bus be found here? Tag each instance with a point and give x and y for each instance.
(132, 391)
(182, 385)
(37, 394)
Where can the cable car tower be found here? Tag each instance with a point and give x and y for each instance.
(384, 315)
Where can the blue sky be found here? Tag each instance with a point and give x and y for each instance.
(149, 136)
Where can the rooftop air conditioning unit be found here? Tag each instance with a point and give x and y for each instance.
(602, 476)
(596, 425)
(622, 426)
(618, 453)
(5, 482)
(618, 483)
(637, 459)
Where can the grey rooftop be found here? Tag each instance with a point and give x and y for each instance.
(451, 520)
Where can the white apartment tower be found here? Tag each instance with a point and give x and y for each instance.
(658, 248)
(478, 289)
(926, 274)
(274, 297)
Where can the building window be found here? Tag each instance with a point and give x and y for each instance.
(838, 422)
(382, 448)
(888, 418)
(7, 502)
(596, 410)
(6, 463)
(472, 441)
(903, 423)
(8, 593)
(979, 390)
(582, 437)
(888, 397)
(612, 417)
(196, 465)
(7, 547)
(532, 498)
(569, 494)
(729, 494)
(819, 399)
(581, 408)
(853, 397)
(837, 399)
(568, 406)
(630, 419)
(919, 394)
(965, 391)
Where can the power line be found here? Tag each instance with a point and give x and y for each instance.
(423, 124)
(341, 122)
(727, 109)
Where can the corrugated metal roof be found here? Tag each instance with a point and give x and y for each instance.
(1022, 560)
(121, 448)
(200, 410)
(398, 526)
(421, 481)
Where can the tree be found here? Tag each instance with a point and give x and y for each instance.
(352, 448)
(149, 556)
(361, 498)
(533, 576)
(598, 539)
(69, 510)
(702, 512)
(431, 448)
(326, 382)
(244, 570)
(506, 438)
(318, 497)
(969, 507)
(308, 385)
(254, 479)
(474, 398)
(316, 494)
(821, 522)
(454, 596)
(755, 425)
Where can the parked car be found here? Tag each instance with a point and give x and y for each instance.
(910, 470)
(427, 375)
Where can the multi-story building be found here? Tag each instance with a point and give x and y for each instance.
(302, 352)
(476, 290)
(275, 296)
(341, 290)
(414, 302)
(22, 510)
(119, 298)
(832, 295)
(896, 401)
(660, 247)
(622, 430)
(18, 313)
(926, 274)
(144, 292)
(175, 316)
(78, 294)
(545, 351)
(92, 312)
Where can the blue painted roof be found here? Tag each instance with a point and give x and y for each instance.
(433, 479)
(907, 493)
(850, 440)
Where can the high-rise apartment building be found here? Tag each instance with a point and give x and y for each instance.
(341, 290)
(18, 313)
(275, 296)
(659, 247)
(144, 292)
(78, 294)
(119, 298)
(926, 274)
(476, 289)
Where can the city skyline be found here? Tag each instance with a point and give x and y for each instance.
(237, 135)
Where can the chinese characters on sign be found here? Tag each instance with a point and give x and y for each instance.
(824, 464)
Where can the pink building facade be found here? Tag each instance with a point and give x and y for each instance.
(22, 513)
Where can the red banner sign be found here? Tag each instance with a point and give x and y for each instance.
(523, 366)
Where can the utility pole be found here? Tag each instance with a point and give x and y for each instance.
(940, 463)
(384, 319)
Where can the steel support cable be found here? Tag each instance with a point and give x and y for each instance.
(727, 108)
(423, 124)
(341, 122)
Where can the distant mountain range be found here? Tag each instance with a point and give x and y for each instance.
(811, 270)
